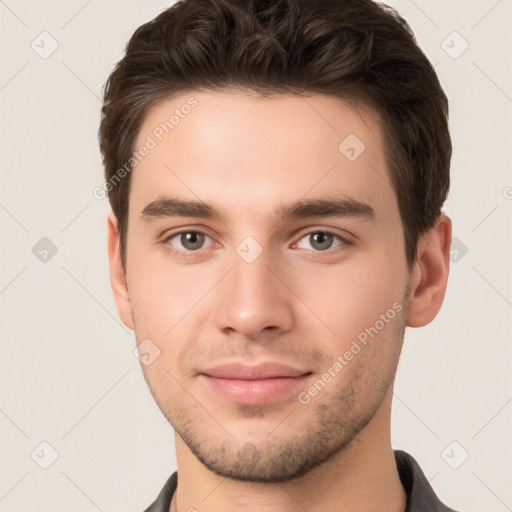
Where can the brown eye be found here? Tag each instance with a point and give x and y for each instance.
(192, 240)
(320, 241)
(187, 241)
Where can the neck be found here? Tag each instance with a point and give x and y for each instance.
(361, 477)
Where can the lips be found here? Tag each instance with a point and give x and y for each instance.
(252, 385)
(258, 372)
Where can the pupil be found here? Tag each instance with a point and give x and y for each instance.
(322, 239)
(192, 240)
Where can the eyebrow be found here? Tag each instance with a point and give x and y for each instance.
(344, 207)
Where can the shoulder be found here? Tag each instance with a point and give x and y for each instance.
(420, 495)
(163, 500)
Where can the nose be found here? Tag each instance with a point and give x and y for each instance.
(253, 299)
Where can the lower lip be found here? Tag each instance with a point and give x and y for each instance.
(254, 392)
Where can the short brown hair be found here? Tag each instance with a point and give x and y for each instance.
(351, 49)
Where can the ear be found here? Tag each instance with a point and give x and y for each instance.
(117, 275)
(430, 273)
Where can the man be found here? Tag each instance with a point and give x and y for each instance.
(276, 172)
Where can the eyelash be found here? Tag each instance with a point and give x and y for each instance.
(188, 254)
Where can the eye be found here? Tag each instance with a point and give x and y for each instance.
(187, 241)
(321, 240)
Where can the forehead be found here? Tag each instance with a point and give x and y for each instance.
(246, 151)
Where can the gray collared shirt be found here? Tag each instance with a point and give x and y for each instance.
(420, 495)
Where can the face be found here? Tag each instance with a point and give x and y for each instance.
(266, 270)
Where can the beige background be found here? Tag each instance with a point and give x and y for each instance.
(68, 374)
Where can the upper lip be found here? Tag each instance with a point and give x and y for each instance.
(260, 371)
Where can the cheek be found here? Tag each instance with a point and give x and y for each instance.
(171, 305)
(345, 299)
(163, 293)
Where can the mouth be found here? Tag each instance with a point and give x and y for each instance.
(253, 385)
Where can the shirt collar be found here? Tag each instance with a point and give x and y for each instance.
(420, 495)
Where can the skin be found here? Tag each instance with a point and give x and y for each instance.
(247, 156)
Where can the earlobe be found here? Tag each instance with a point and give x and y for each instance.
(117, 273)
(430, 273)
